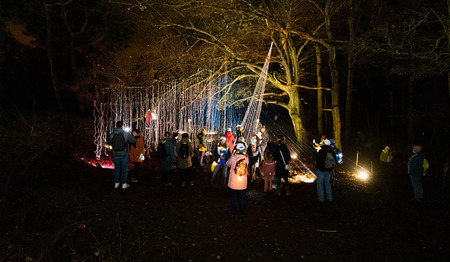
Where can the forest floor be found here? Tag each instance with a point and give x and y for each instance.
(66, 210)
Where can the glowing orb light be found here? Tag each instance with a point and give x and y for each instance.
(127, 129)
(363, 175)
(294, 156)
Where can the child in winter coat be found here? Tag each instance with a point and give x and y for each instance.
(237, 181)
(268, 171)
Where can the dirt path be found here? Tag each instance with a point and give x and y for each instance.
(72, 213)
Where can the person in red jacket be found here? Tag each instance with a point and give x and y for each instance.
(230, 139)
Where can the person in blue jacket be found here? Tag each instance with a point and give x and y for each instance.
(221, 155)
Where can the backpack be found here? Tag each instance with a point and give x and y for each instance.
(118, 142)
(330, 162)
(162, 150)
(184, 150)
(241, 167)
(338, 154)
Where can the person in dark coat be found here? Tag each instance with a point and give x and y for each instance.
(167, 162)
(282, 157)
(185, 164)
(201, 144)
(324, 173)
(416, 171)
(254, 156)
(121, 157)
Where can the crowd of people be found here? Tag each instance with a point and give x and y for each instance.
(237, 161)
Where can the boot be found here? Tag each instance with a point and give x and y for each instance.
(288, 191)
(278, 192)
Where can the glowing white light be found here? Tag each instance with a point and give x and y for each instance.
(294, 156)
(127, 129)
(154, 116)
(363, 175)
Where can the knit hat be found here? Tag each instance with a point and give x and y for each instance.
(223, 139)
(327, 142)
(240, 147)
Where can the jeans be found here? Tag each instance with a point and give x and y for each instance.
(121, 167)
(238, 196)
(416, 182)
(323, 178)
(216, 170)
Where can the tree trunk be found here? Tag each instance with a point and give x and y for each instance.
(334, 76)
(294, 108)
(56, 90)
(410, 110)
(319, 91)
(351, 62)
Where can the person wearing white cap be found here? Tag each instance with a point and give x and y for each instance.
(238, 180)
(221, 155)
(254, 156)
(324, 171)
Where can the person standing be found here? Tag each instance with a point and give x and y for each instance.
(254, 156)
(237, 183)
(201, 143)
(282, 157)
(230, 139)
(264, 140)
(137, 154)
(324, 171)
(167, 158)
(184, 152)
(268, 171)
(239, 132)
(172, 139)
(221, 155)
(119, 140)
(385, 160)
(416, 171)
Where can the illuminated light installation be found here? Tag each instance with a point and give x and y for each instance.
(205, 103)
(173, 105)
(253, 113)
(279, 124)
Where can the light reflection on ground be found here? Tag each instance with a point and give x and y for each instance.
(103, 163)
